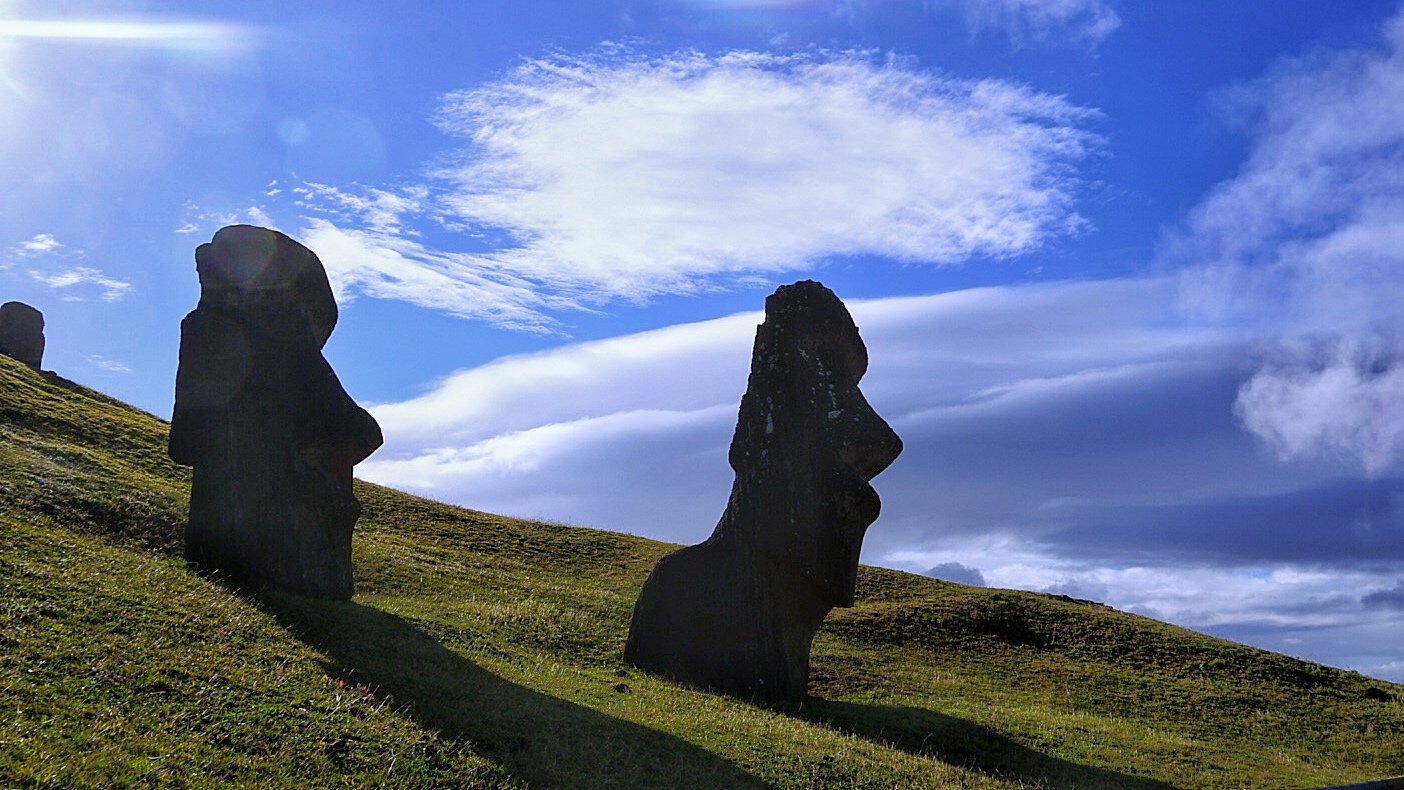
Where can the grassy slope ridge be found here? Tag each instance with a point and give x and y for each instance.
(482, 651)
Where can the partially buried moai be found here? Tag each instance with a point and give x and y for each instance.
(265, 422)
(22, 333)
(736, 614)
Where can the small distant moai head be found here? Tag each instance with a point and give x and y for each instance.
(22, 333)
(807, 442)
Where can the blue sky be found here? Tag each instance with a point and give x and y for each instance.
(1130, 273)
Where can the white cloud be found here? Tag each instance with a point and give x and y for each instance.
(144, 32)
(636, 177)
(1312, 613)
(71, 281)
(387, 266)
(42, 244)
(107, 365)
(206, 222)
(956, 572)
(678, 369)
(1313, 218)
(1072, 437)
(1325, 180)
(615, 176)
(526, 430)
(1347, 405)
(931, 355)
(524, 451)
(77, 282)
(378, 210)
(1307, 238)
(504, 473)
(260, 216)
(1090, 20)
(929, 352)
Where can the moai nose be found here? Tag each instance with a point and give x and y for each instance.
(866, 442)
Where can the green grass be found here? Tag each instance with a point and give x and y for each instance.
(483, 651)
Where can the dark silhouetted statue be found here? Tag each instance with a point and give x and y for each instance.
(22, 333)
(265, 422)
(736, 614)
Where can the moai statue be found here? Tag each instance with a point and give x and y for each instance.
(736, 614)
(265, 422)
(22, 333)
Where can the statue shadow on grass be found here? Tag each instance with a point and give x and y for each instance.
(546, 741)
(965, 744)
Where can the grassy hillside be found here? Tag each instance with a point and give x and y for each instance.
(483, 651)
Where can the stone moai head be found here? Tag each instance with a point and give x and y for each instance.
(737, 613)
(268, 275)
(22, 333)
(807, 443)
(264, 421)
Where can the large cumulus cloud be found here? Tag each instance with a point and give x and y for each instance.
(618, 176)
(1307, 237)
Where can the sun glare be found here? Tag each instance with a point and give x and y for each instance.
(143, 32)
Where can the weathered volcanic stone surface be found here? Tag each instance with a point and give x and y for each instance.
(736, 614)
(265, 422)
(22, 333)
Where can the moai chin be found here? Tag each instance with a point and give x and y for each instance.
(22, 333)
(736, 614)
(264, 421)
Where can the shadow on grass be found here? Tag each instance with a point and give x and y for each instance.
(546, 741)
(965, 744)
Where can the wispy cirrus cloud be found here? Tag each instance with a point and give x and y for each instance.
(1021, 20)
(387, 265)
(41, 244)
(616, 176)
(107, 365)
(79, 283)
(636, 177)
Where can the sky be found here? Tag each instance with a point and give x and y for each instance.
(1131, 274)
